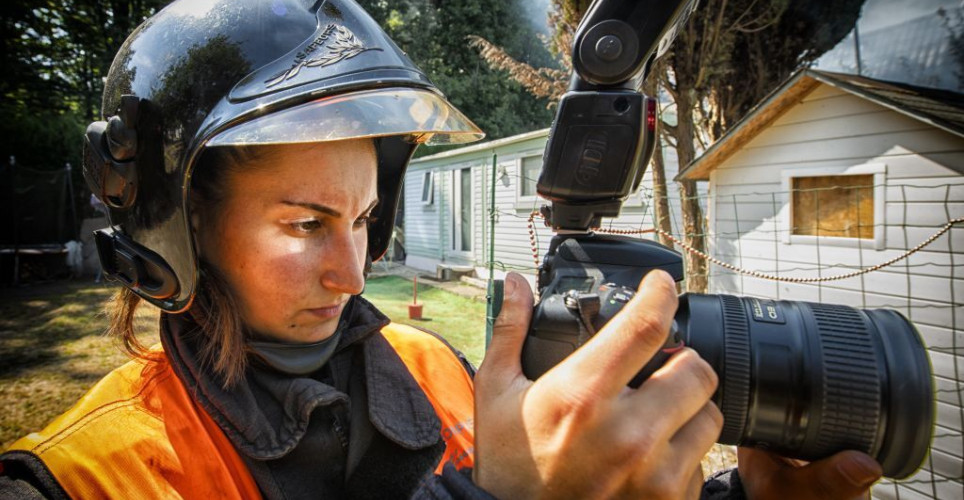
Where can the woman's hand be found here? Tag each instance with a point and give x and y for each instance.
(578, 431)
(848, 474)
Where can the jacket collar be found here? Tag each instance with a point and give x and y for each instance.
(267, 413)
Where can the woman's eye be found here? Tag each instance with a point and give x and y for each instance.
(305, 226)
(364, 220)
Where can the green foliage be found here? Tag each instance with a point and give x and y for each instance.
(43, 139)
(434, 34)
(54, 56)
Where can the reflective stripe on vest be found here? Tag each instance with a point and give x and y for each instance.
(138, 434)
(451, 392)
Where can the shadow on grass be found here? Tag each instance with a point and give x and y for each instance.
(37, 324)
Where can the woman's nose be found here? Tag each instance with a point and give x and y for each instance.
(344, 264)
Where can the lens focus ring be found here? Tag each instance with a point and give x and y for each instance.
(735, 374)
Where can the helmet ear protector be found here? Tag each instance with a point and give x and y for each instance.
(110, 149)
(134, 265)
(110, 169)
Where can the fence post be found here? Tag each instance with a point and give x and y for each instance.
(494, 295)
(16, 221)
(74, 229)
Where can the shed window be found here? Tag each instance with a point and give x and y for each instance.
(530, 168)
(428, 188)
(840, 206)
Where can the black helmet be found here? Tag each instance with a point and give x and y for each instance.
(206, 73)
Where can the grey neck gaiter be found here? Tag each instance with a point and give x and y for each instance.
(296, 359)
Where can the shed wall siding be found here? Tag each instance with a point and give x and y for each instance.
(832, 128)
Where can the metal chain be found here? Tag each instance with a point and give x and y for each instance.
(757, 274)
(532, 237)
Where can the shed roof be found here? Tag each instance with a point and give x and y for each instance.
(942, 109)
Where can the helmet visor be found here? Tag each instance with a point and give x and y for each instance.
(424, 116)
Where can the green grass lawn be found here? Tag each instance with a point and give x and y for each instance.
(53, 348)
(460, 320)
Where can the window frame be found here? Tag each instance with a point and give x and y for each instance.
(879, 172)
(455, 212)
(428, 187)
(519, 168)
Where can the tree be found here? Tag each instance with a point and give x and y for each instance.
(55, 56)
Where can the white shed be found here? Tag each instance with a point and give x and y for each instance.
(833, 173)
(447, 205)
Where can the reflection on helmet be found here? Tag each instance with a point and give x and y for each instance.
(229, 72)
(421, 116)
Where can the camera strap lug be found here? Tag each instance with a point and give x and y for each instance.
(586, 306)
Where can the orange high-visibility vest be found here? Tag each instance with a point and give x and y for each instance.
(138, 433)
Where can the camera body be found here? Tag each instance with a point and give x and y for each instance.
(586, 279)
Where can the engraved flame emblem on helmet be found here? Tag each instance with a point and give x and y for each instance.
(336, 43)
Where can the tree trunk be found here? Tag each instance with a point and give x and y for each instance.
(693, 222)
(660, 199)
(694, 236)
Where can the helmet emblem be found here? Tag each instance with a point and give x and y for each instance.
(335, 43)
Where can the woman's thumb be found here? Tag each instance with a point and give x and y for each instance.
(502, 362)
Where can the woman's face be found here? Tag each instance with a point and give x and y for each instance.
(291, 236)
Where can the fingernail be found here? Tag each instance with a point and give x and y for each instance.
(509, 286)
(661, 275)
(860, 470)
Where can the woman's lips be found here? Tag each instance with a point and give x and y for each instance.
(327, 312)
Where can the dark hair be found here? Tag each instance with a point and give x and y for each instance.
(214, 308)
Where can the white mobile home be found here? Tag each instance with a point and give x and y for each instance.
(448, 200)
(833, 173)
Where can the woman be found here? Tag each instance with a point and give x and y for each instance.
(252, 163)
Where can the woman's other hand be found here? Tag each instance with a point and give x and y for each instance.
(578, 431)
(846, 475)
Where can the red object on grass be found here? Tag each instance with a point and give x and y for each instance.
(415, 309)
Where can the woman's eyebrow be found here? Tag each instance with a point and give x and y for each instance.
(324, 209)
(313, 206)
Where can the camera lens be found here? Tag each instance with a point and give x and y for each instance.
(808, 380)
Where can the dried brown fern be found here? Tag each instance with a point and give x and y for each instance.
(540, 82)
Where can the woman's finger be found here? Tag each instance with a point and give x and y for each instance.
(695, 438)
(675, 393)
(609, 360)
(848, 474)
(695, 487)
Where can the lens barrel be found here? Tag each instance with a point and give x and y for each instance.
(807, 380)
